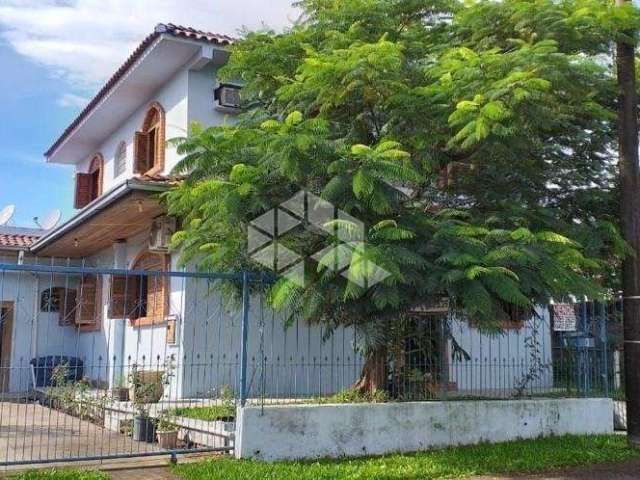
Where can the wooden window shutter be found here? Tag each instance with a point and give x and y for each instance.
(89, 301)
(156, 288)
(68, 307)
(123, 296)
(156, 298)
(153, 290)
(84, 187)
(141, 161)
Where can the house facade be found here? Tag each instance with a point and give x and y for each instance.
(114, 320)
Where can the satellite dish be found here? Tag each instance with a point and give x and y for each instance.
(6, 214)
(50, 221)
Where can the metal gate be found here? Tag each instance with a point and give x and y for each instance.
(101, 363)
(589, 353)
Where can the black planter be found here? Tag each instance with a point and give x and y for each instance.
(144, 429)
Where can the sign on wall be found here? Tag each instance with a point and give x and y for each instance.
(564, 317)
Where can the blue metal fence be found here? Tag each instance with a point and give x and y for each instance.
(77, 386)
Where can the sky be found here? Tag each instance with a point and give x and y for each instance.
(55, 54)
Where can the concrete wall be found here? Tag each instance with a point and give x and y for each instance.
(307, 432)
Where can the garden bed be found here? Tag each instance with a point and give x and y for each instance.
(208, 424)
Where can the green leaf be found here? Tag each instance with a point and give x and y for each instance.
(553, 237)
(363, 184)
(294, 118)
(360, 149)
(494, 110)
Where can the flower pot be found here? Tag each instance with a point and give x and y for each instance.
(144, 429)
(149, 388)
(120, 394)
(168, 439)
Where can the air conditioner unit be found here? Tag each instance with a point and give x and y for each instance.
(227, 97)
(162, 228)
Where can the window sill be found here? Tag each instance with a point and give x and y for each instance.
(153, 171)
(147, 321)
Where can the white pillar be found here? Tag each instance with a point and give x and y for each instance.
(119, 325)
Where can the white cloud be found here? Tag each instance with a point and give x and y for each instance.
(84, 41)
(72, 100)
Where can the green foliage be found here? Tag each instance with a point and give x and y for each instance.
(368, 103)
(354, 396)
(209, 414)
(523, 456)
(225, 410)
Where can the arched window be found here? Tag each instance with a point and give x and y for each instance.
(142, 298)
(150, 142)
(89, 185)
(120, 160)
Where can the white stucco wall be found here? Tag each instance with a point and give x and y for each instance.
(186, 98)
(105, 355)
(34, 332)
(173, 98)
(309, 432)
(500, 361)
(297, 361)
(201, 105)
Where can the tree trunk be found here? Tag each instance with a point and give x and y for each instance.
(630, 218)
(374, 372)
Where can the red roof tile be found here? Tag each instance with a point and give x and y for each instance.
(16, 241)
(161, 28)
(192, 33)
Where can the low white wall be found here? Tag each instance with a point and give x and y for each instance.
(308, 431)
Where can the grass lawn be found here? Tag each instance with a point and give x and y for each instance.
(209, 414)
(526, 456)
(61, 474)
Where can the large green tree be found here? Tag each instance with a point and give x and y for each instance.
(474, 140)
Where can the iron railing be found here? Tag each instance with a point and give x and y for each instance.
(93, 360)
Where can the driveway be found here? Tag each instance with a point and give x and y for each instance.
(31, 432)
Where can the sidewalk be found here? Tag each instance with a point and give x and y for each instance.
(613, 471)
(616, 471)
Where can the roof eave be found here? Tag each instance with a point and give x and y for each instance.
(104, 94)
(96, 207)
(160, 33)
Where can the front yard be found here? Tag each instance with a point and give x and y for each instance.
(527, 456)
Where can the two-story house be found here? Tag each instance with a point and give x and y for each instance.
(113, 320)
(118, 146)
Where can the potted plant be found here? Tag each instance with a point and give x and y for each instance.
(144, 429)
(145, 386)
(167, 432)
(120, 392)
